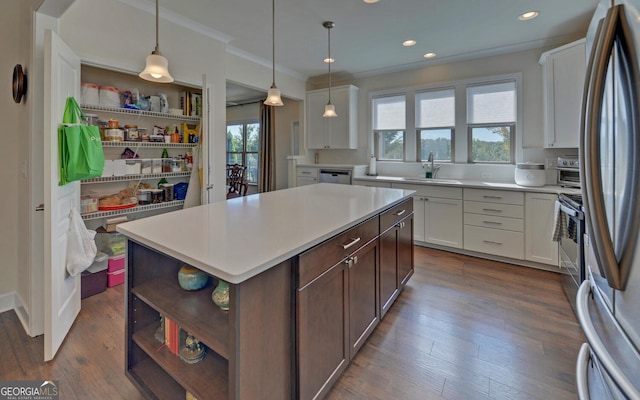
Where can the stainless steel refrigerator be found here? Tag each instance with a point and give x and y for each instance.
(608, 302)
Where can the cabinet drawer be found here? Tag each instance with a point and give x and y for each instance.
(395, 214)
(307, 171)
(497, 209)
(317, 260)
(494, 241)
(491, 221)
(432, 190)
(494, 196)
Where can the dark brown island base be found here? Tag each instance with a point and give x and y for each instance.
(310, 270)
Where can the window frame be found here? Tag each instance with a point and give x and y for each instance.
(460, 140)
(512, 138)
(419, 144)
(378, 150)
(243, 154)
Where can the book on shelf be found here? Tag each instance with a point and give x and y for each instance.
(191, 103)
(171, 335)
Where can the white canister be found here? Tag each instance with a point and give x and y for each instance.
(89, 94)
(530, 174)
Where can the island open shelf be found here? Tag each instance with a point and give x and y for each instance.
(193, 311)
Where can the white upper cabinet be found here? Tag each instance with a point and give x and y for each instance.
(563, 74)
(340, 132)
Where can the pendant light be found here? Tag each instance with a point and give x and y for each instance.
(157, 69)
(273, 95)
(329, 109)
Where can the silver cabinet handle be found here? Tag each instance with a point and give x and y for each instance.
(493, 243)
(351, 243)
(399, 213)
(491, 209)
(40, 207)
(492, 222)
(486, 196)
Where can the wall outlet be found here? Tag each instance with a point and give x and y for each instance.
(550, 162)
(486, 175)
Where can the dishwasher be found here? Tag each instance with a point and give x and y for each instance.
(335, 176)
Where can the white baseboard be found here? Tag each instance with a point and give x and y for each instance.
(7, 301)
(12, 301)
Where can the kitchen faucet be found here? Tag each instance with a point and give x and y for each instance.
(433, 168)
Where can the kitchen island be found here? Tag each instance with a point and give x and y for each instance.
(308, 270)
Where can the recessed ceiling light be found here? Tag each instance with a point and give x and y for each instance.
(429, 55)
(409, 43)
(528, 15)
(329, 60)
(370, 1)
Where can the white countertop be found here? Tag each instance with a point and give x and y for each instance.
(242, 237)
(469, 183)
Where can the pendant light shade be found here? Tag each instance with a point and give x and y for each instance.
(273, 95)
(329, 109)
(157, 68)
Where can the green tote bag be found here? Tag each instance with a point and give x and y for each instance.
(80, 148)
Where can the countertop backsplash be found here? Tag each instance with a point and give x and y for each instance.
(474, 172)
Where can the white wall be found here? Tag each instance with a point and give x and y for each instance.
(524, 62)
(12, 121)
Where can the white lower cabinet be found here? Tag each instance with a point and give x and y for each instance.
(504, 223)
(306, 176)
(437, 214)
(539, 219)
(494, 222)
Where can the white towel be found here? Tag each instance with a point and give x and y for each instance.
(559, 223)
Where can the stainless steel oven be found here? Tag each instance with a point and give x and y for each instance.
(571, 244)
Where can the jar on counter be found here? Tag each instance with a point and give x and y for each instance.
(113, 124)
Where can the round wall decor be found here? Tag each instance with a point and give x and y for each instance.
(19, 83)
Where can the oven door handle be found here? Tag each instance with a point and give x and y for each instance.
(571, 211)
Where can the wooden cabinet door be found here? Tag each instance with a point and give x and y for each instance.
(389, 283)
(322, 332)
(364, 313)
(405, 250)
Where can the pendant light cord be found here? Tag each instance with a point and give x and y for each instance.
(157, 23)
(273, 41)
(329, 61)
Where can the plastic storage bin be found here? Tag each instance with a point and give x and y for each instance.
(115, 278)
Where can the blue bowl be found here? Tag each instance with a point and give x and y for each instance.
(191, 278)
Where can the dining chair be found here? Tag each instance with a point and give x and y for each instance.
(236, 181)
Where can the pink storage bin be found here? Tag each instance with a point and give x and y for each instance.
(115, 278)
(116, 263)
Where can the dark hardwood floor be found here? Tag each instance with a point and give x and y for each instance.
(464, 328)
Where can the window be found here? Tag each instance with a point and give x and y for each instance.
(435, 122)
(389, 123)
(491, 122)
(242, 147)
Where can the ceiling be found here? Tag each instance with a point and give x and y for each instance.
(367, 38)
